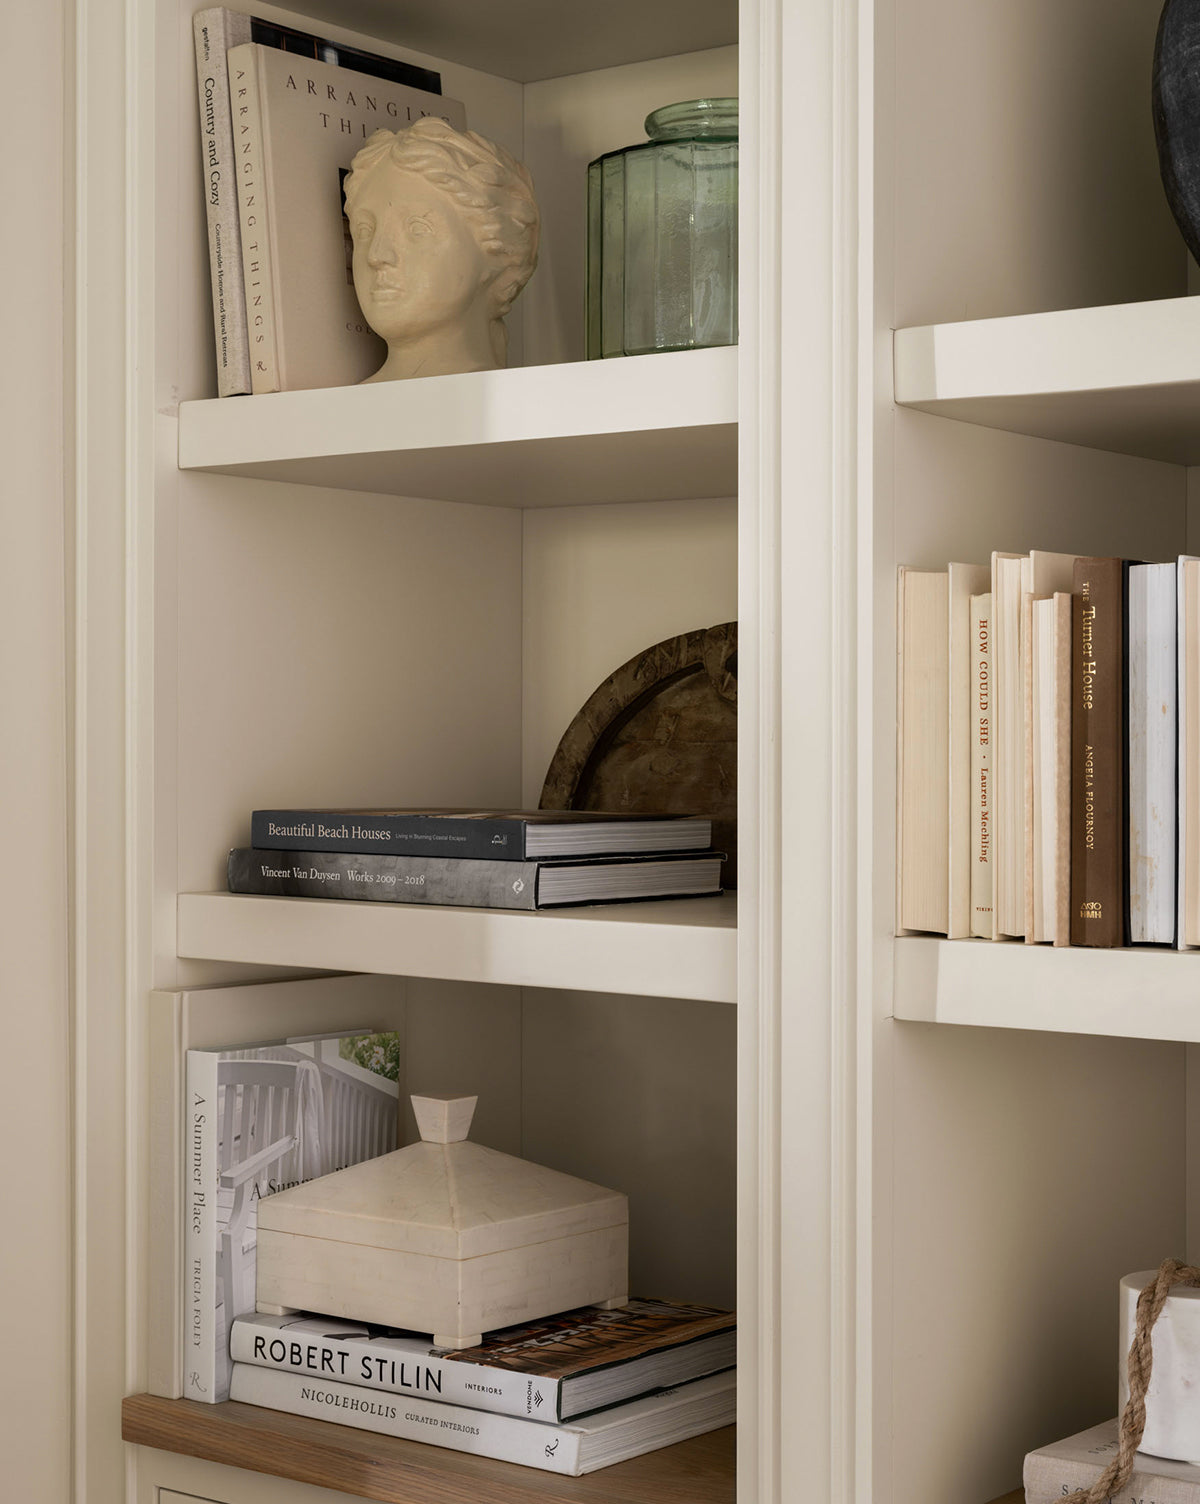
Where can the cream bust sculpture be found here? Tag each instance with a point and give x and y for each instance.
(443, 1236)
(445, 230)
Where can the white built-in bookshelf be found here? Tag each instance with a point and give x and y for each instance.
(404, 594)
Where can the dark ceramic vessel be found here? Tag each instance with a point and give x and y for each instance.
(1177, 113)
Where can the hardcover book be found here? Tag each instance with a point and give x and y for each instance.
(297, 125)
(571, 1447)
(982, 924)
(965, 582)
(216, 30)
(485, 835)
(1153, 749)
(551, 1370)
(1098, 870)
(1187, 915)
(260, 1119)
(923, 714)
(474, 884)
(1054, 1471)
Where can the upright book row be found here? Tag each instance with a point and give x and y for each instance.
(1049, 751)
(282, 116)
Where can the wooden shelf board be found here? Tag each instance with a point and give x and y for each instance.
(1124, 378)
(1016, 1497)
(647, 428)
(1143, 993)
(700, 1471)
(684, 948)
(522, 41)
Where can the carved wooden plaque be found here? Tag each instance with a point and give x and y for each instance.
(659, 734)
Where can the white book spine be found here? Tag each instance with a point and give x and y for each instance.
(216, 31)
(254, 211)
(165, 1283)
(981, 766)
(1152, 752)
(1188, 722)
(418, 1372)
(1008, 751)
(530, 1443)
(200, 1229)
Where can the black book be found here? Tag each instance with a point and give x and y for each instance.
(464, 882)
(482, 835)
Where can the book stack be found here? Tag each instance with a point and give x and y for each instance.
(477, 858)
(569, 1394)
(1054, 1471)
(282, 115)
(1049, 751)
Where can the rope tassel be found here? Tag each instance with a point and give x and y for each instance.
(1141, 1358)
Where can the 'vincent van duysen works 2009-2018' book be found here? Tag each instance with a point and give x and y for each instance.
(484, 835)
(552, 1369)
(467, 883)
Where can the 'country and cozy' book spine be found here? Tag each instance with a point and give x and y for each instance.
(258, 272)
(267, 1343)
(1098, 755)
(216, 31)
(531, 1443)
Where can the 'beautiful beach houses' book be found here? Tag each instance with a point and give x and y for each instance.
(552, 1370)
(474, 884)
(216, 30)
(571, 1447)
(297, 125)
(259, 1119)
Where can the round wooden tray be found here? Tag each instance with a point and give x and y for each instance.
(660, 734)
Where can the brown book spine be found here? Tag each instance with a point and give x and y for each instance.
(1098, 755)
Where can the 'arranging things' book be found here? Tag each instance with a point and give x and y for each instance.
(474, 884)
(297, 125)
(551, 1370)
(571, 1447)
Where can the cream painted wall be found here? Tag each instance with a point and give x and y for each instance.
(35, 1259)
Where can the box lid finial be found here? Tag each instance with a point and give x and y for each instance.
(443, 1118)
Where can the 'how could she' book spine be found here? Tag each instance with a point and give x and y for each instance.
(258, 272)
(981, 766)
(1098, 755)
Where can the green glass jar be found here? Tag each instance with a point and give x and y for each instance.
(662, 235)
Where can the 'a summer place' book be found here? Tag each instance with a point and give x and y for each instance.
(572, 1447)
(551, 1370)
(297, 125)
(259, 1120)
(485, 835)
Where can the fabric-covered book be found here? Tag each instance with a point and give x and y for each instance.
(553, 1369)
(1056, 1470)
(260, 1119)
(297, 125)
(572, 1447)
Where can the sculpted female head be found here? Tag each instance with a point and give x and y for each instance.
(445, 231)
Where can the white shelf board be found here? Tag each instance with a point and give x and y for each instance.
(645, 428)
(683, 948)
(1138, 993)
(1123, 378)
(529, 39)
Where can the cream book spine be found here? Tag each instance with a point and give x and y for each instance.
(981, 766)
(1029, 823)
(254, 210)
(923, 752)
(1008, 750)
(1048, 872)
(1188, 787)
(1063, 641)
(965, 581)
(217, 30)
(1152, 749)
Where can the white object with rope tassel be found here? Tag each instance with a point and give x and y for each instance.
(1173, 1397)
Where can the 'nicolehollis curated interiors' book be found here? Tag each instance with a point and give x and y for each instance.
(260, 1119)
(551, 1370)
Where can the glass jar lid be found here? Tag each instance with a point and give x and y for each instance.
(707, 119)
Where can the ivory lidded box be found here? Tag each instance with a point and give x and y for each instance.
(444, 1236)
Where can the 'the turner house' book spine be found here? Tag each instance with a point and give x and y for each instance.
(1098, 755)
